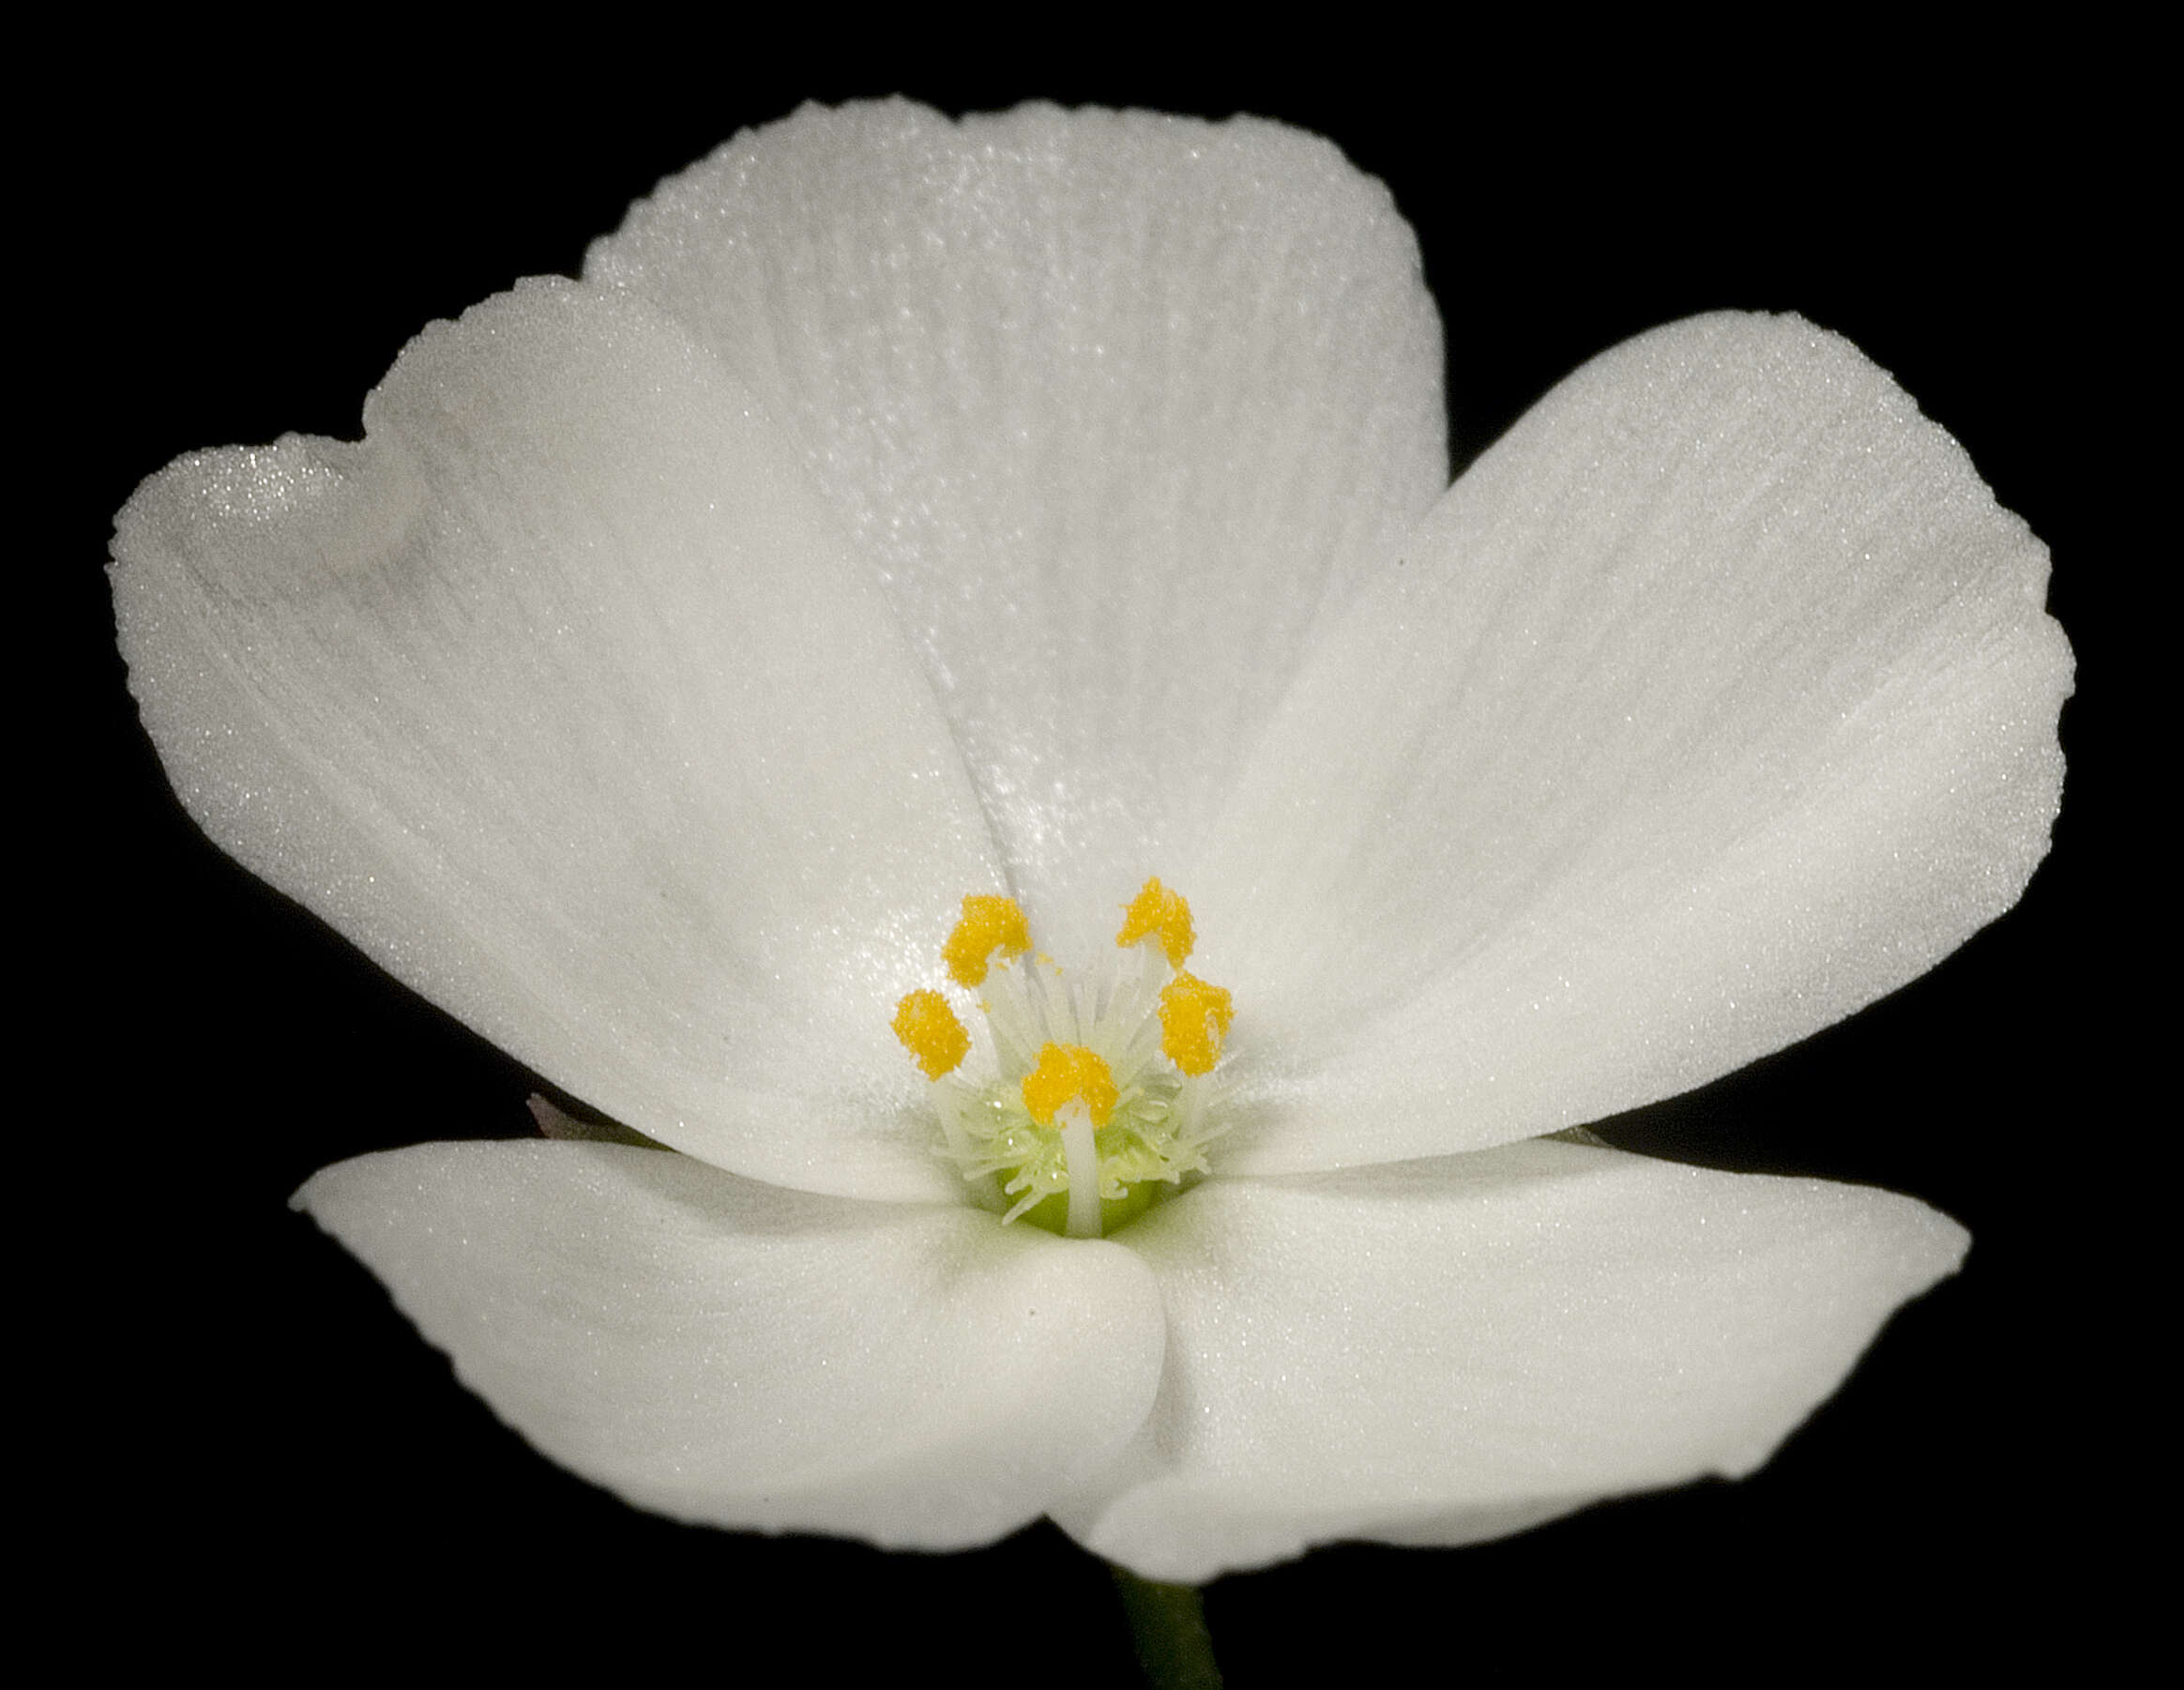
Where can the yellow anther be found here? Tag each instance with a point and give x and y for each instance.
(988, 924)
(1069, 1072)
(930, 1032)
(1194, 1019)
(1156, 910)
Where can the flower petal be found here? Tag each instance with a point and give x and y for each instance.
(738, 1354)
(560, 697)
(1435, 1352)
(1120, 404)
(1715, 702)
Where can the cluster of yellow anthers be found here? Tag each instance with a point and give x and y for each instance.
(1100, 1097)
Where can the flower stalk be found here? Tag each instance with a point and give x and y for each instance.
(1167, 1628)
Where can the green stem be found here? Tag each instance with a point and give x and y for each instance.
(1167, 1623)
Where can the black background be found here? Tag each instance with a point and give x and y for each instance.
(244, 233)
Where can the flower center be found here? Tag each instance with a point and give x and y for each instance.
(1089, 1100)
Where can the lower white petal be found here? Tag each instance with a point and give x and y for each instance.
(1436, 1352)
(743, 1355)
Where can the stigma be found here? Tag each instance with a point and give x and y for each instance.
(1088, 1100)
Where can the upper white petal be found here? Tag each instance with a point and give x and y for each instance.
(1120, 405)
(1716, 701)
(1440, 1351)
(738, 1354)
(561, 697)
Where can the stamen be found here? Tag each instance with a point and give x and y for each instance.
(1070, 1073)
(988, 924)
(1093, 1095)
(930, 1032)
(1156, 911)
(1194, 1019)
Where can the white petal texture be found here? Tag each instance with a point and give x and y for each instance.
(1716, 700)
(1120, 407)
(537, 695)
(732, 1352)
(901, 508)
(1467, 1344)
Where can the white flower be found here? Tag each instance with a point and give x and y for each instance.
(899, 509)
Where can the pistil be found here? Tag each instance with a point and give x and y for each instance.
(1082, 1153)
